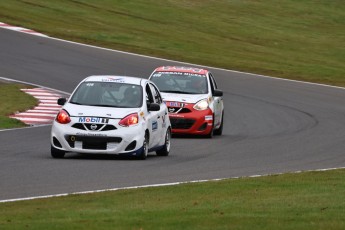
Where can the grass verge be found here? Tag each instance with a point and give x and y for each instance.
(302, 40)
(310, 200)
(13, 100)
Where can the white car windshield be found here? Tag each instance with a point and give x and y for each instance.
(108, 94)
(180, 82)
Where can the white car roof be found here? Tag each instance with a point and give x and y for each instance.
(116, 79)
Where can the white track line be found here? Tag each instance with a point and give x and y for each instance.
(156, 185)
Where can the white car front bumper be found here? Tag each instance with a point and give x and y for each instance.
(123, 140)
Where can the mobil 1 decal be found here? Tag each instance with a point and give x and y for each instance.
(93, 120)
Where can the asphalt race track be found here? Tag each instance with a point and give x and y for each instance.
(271, 126)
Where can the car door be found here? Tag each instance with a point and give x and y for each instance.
(161, 116)
(152, 118)
(217, 102)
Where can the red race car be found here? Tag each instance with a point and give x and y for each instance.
(194, 102)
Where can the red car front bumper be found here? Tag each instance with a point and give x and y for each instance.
(187, 120)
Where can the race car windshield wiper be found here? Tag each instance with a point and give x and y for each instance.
(100, 105)
(175, 91)
(76, 103)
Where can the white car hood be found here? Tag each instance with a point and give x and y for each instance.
(188, 98)
(95, 111)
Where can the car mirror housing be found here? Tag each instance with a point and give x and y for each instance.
(218, 93)
(61, 101)
(153, 107)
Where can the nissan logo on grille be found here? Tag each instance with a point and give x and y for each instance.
(171, 110)
(93, 126)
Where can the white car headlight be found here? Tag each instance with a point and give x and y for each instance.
(201, 105)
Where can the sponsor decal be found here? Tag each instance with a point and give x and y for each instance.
(157, 75)
(91, 135)
(208, 118)
(163, 121)
(175, 104)
(113, 79)
(154, 125)
(171, 73)
(194, 75)
(172, 68)
(175, 115)
(218, 105)
(142, 114)
(178, 74)
(93, 120)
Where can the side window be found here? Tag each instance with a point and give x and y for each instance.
(156, 95)
(149, 96)
(212, 83)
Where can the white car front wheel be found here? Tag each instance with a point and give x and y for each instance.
(219, 131)
(56, 153)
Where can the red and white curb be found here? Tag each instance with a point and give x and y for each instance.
(21, 29)
(46, 110)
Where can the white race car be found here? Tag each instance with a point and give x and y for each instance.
(112, 115)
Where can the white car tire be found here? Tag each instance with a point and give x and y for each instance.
(167, 143)
(145, 148)
(57, 153)
(219, 131)
(210, 134)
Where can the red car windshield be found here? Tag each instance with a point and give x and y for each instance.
(180, 82)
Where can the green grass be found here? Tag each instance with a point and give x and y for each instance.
(311, 200)
(301, 40)
(13, 100)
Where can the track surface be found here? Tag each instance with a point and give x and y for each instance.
(271, 126)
